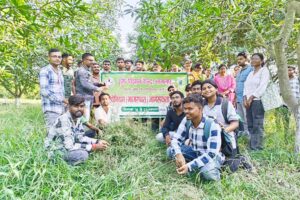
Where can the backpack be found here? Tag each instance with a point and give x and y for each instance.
(224, 108)
(227, 146)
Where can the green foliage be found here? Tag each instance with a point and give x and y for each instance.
(29, 28)
(207, 31)
(134, 167)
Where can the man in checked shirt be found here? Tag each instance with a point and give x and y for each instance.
(202, 153)
(67, 136)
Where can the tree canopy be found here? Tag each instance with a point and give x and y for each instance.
(207, 31)
(29, 28)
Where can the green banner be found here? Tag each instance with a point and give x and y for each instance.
(142, 94)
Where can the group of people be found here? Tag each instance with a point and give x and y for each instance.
(213, 107)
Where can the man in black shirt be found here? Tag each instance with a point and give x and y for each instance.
(173, 118)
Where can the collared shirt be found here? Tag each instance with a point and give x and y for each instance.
(294, 84)
(67, 134)
(206, 148)
(107, 117)
(240, 81)
(84, 83)
(52, 90)
(256, 84)
(216, 111)
(68, 75)
(172, 121)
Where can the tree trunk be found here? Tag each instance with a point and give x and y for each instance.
(17, 101)
(297, 136)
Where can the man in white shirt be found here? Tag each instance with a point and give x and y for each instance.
(105, 114)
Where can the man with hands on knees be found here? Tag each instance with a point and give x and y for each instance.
(67, 135)
(203, 151)
(173, 118)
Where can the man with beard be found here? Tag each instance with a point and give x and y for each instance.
(67, 136)
(84, 83)
(173, 118)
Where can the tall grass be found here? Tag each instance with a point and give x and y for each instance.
(134, 167)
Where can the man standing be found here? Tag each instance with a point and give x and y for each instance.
(240, 80)
(96, 73)
(52, 88)
(202, 154)
(128, 65)
(121, 64)
(156, 67)
(294, 82)
(173, 118)
(139, 66)
(84, 83)
(106, 66)
(68, 73)
(67, 136)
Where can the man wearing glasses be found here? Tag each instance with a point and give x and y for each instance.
(52, 88)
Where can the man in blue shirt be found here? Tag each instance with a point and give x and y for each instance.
(84, 83)
(240, 80)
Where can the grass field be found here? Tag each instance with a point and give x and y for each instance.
(135, 167)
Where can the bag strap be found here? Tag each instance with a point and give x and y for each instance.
(188, 125)
(224, 108)
(207, 125)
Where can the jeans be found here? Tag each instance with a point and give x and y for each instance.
(87, 112)
(255, 119)
(90, 133)
(210, 171)
(160, 137)
(76, 157)
(50, 118)
(241, 111)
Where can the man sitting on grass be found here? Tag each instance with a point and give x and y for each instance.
(67, 135)
(106, 113)
(173, 118)
(202, 153)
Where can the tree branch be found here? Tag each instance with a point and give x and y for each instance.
(298, 52)
(281, 58)
(287, 28)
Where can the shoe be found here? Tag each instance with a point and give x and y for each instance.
(233, 164)
(245, 163)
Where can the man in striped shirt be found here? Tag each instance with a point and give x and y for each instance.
(200, 153)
